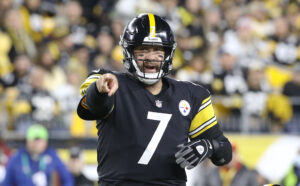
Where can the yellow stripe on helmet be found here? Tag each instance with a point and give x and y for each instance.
(152, 25)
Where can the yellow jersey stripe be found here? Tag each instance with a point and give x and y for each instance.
(204, 105)
(210, 121)
(205, 100)
(152, 30)
(88, 82)
(204, 129)
(205, 114)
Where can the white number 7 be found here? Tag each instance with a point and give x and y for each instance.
(164, 120)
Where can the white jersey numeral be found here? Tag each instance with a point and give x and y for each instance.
(149, 151)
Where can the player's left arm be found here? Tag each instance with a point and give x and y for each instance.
(206, 139)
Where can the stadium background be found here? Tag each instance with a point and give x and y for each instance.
(246, 52)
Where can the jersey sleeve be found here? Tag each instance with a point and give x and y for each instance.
(91, 79)
(82, 109)
(204, 125)
(205, 117)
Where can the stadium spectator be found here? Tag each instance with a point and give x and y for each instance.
(233, 174)
(197, 71)
(80, 60)
(171, 12)
(76, 22)
(22, 68)
(279, 112)
(67, 96)
(4, 7)
(105, 46)
(37, 164)
(62, 45)
(34, 105)
(6, 67)
(228, 85)
(54, 75)
(292, 90)
(117, 27)
(292, 178)
(284, 45)
(5, 153)
(261, 21)
(241, 42)
(228, 79)
(192, 38)
(214, 30)
(292, 15)
(38, 18)
(76, 165)
(253, 119)
(22, 42)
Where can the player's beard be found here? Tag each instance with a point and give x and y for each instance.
(150, 66)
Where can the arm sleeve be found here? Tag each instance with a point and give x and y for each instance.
(204, 125)
(9, 175)
(99, 103)
(222, 153)
(65, 176)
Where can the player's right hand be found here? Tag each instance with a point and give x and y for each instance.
(107, 83)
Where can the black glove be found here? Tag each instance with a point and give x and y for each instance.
(193, 153)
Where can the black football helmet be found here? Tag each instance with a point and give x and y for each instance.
(147, 29)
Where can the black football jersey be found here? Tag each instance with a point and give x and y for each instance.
(139, 137)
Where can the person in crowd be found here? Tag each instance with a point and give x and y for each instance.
(36, 164)
(292, 178)
(35, 104)
(258, 89)
(291, 89)
(236, 173)
(197, 71)
(5, 153)
(76, 165)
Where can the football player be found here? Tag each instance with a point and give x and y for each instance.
(150, 126)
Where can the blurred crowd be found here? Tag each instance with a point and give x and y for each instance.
(246, 52)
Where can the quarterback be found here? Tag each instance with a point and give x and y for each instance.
(150, 127)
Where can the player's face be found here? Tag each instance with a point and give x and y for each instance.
(149, 58)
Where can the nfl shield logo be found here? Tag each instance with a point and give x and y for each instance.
(158, 103)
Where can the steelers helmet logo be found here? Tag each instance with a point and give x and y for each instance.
(184, 107)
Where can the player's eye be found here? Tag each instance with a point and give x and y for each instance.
(140, 55)
(160, 56)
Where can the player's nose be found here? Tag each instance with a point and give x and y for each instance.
(151, 56)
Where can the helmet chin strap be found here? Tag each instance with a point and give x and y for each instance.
(148, 81)
(147, 78)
